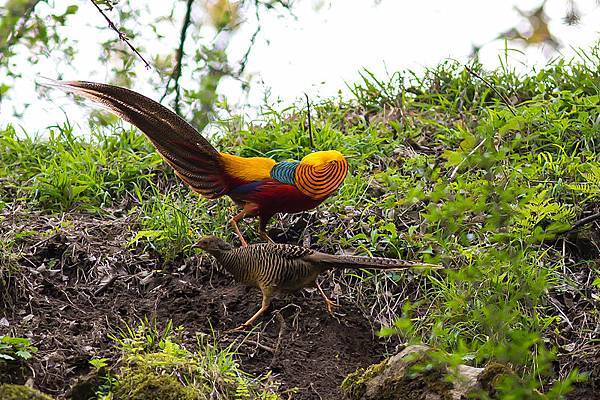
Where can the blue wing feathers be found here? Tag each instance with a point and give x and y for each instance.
(247, 188)
(285, 171)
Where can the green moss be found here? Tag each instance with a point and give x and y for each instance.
(18, 392)
(420, 375)
(354, 385)
(143, 385)
(493, 374)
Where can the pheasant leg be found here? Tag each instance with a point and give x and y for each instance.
(248, 209)
(328, 302)
(233, 221)
(266, 300)
(264, 236)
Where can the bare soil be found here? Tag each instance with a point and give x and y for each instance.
(79, 284)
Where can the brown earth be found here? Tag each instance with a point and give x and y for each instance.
(79, 284)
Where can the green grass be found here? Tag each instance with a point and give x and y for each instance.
(69, 170)
(442, 170)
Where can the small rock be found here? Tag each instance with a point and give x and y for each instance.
(414, 373)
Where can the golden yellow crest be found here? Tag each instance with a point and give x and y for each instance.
(319, 158)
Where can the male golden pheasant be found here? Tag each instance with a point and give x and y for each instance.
(283, 268)
(260, 186)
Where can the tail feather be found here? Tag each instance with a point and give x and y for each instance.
(357, 262)
(192, 157)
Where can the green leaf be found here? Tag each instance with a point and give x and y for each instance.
(24, 354)
(72, 9)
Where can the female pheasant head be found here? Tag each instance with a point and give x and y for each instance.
(213, 244)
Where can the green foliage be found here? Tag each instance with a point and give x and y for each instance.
(155, 365)
(509, 184)
(15, 349)
(169, 223)
(19, 23)
(66, 170)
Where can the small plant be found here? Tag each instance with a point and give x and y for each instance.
(154, 364)
(16, 349)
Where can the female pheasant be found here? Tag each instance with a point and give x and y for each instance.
(258, 185)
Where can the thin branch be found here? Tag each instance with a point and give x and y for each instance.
(584, 221)
(176, 75)
(488, 84)
(18, 33)
(244, 59)
(310, 134)
(455, 169)
(121, 34)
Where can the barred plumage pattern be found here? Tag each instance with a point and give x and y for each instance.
(281, 268)
(287, 267)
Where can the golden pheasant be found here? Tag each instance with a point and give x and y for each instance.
(259, 186)
(283, 268)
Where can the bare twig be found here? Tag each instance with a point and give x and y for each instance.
(310, 134)
(259, 345)
(122, 36)
(455, 169)
(282, 328)
(176, 75)
(18, 33)
(103, 286)
(504, 99)
(244, 60)
(584, 221)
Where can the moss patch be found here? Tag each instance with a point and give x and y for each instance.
(143, 385)
(18, 392)
(407, 378)
(354, 385)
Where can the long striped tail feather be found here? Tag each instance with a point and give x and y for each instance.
(357, 262)
(192, 157)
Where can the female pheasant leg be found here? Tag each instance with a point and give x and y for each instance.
(266, 300)
(330, 304)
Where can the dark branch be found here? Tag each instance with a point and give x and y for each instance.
(584, 221)
(176, 75)
(121, 34)
(244, 59)
(504, 99)
(18, 33)
(310, 134)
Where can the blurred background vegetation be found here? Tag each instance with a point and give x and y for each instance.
(184, 53)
